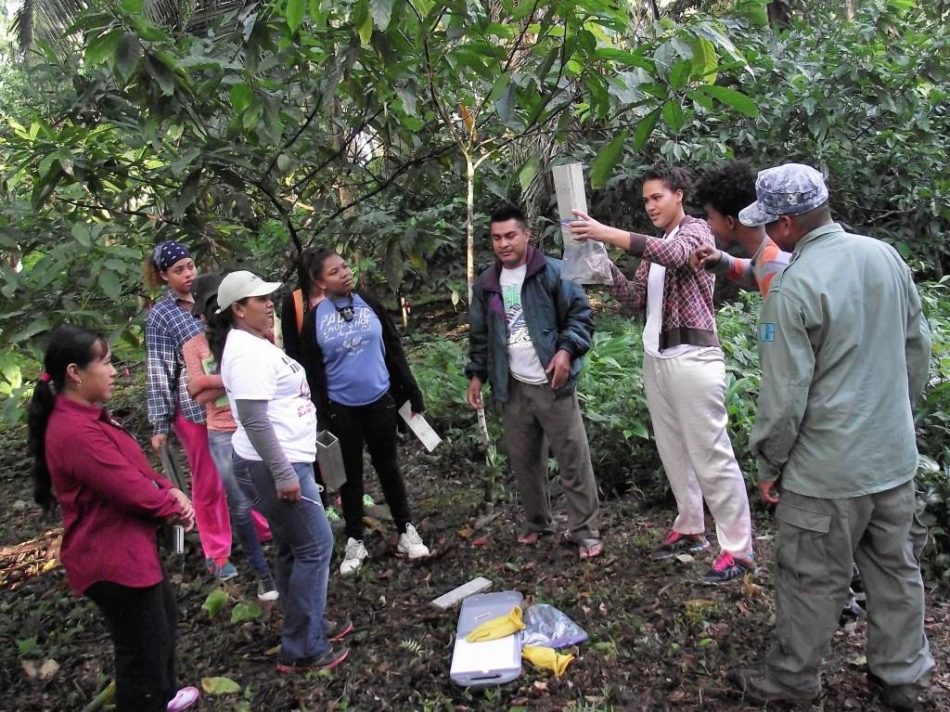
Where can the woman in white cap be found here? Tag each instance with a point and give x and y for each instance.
(274, 449)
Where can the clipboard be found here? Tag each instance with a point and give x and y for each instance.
(494, 662)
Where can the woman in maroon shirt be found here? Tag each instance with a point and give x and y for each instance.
(112, 503)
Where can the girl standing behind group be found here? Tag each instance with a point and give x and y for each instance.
(296, 305)
(358, 374)
(170, 324)
(684, 374)
(206, 386)
(112, 504)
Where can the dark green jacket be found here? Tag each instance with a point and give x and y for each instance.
(555, 310)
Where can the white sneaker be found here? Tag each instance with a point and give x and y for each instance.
(353, 560)
(410, 544)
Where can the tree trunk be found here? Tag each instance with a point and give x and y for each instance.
(470, 224)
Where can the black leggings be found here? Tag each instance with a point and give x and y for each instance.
(374, 424)
(142, 624)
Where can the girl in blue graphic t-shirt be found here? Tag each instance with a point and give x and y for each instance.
(358, 378)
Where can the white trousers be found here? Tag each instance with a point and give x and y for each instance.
(686, 398)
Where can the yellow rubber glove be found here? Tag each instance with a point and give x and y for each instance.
(547, 658)
(499, 627)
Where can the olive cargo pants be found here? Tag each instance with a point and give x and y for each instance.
(817, 541)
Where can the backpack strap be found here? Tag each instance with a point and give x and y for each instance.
(298, 308)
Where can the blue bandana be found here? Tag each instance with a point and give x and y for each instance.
(165, 254)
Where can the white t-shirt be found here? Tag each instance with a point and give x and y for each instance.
(253, 368)
(523, 361)
(651, 332)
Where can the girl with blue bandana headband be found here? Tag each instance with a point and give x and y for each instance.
(170, 324)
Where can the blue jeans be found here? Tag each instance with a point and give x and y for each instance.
(238, 504)
(304, 545)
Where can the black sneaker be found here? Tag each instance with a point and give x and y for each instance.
(267, 589)
(327, 661)
(676, 543)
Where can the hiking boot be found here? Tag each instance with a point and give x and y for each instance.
(410, 544)
(728, 568)
(353, 559)
(755, 686)
(183, 699)
(267, 589)
(676, 543)
(327, 661)
(221, 568)
(900, 697)
(337, 630)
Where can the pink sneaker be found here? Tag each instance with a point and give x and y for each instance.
(185, 698)
(728, 568)
(676, 543)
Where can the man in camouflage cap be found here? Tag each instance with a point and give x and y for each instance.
(845, 353)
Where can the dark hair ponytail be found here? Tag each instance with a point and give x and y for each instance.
(217, 327)
(68, 344)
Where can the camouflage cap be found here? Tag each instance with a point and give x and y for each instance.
(789, 189)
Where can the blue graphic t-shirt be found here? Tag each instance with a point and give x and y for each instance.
(523, 361)
(353, 351)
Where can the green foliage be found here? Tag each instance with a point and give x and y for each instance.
(614, 407)
(215, 602)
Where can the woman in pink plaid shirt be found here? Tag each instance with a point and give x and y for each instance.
(684, 373)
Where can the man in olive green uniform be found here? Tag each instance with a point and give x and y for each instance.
(845, 352)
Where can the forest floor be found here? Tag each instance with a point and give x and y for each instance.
(659, 638)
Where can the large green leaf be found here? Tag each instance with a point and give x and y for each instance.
(161, 74)
(215, 602)
(219, 686)
(294, 14)
(644, 129)
(241, 97)
(128, 51)
(528, 171)
(733, 99)
(363, 22)
(673, 115)
(705, 60)
(606, 160)
(103, 47)
(382, 11)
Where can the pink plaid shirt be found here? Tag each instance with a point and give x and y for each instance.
(688, 315)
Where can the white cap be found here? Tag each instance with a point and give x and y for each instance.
(242, 284)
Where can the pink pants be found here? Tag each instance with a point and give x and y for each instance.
(207, 492)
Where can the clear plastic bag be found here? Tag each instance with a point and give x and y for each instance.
(585, 262)
(546, 625)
